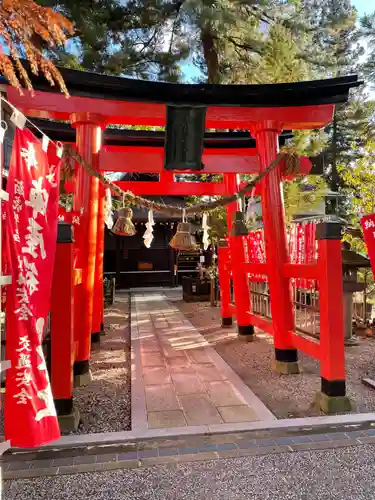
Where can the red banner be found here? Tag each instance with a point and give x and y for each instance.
(302, 250)
(256, 253)
(368, 226)
(31, 227)
(74, 218)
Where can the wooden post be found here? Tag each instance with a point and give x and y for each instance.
(241, 285)
(332, 398)
(224, 281)
(89, 139)
(62, 330)
(171, 266)
(286, 360)
(98, 308)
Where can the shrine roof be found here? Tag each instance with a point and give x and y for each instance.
(301, 105)
(354, 260)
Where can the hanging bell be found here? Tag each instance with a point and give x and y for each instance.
(124, 225)
(183, 239)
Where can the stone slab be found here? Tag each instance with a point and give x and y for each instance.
(241, 413)
(187, 383)
(208, 372)
(199, 409)
(199, 356)
(285, 368)
(178, 364)
(83, 379)
(138, 400)
(223, 393)
(69, 423)
(171, 352)
(150, 347)
(165, 419)
(152, 359)
(156, 375)
(161, 397)
(330, 404)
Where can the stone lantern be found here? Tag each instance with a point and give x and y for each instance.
(325, 210)
(351, 262)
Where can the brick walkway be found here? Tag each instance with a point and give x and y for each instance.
(178, 380)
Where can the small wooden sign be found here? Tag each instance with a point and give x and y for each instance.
(145, 266)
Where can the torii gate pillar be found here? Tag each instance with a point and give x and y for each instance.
(89, 140)
(98, 312)
(286, 360)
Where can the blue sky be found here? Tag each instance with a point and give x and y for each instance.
(363, 6)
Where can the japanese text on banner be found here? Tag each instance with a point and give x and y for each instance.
(31, 229)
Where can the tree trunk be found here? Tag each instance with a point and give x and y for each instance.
(210, 54)
(335, 180)
(365, 299)
(212, 292)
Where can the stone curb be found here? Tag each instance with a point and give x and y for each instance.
(285, 425)
(167, 456)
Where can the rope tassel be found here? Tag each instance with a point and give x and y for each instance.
(148, 235)
(205, 227)
(108, 214)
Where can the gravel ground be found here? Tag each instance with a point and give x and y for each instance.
(285, 396)
(105, 405)
(344, 473)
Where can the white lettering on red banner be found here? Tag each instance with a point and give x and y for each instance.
(31, 230)
(368, 226)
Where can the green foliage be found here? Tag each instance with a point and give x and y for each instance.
(122, 38)
(217, 221)
(359, 181)
(303, 195)
(368, 36)
(350, 131)
(66, 201)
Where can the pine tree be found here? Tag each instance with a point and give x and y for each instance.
(360, 190)
(351, 129)
(132, 38)
(335, 51)
(150, 38)
(368, 34)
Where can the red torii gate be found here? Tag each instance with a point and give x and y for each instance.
(265, 110)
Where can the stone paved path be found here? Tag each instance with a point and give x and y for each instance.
(178, 380)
